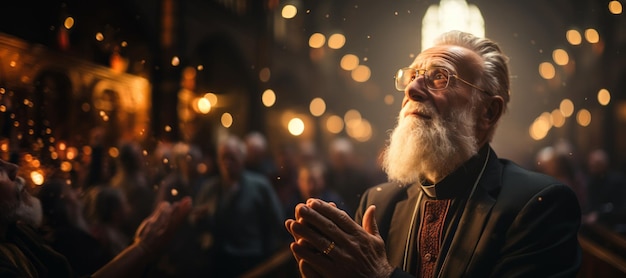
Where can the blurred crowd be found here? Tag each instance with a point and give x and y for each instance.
(242, 193)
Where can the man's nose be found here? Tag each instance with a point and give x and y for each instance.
(9, 168)
(416, 90)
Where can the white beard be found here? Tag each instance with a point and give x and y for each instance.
(420, 148)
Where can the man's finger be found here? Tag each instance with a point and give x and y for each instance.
(338, 217)
(307, 270)
(369, 221)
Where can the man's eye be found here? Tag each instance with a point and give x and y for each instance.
(440, 76)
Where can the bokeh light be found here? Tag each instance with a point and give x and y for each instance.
(317, 107)
(349, 62)
(592, 36)
(68, 23)
(583, 117)
(268, 98)
(336, 41)
(289, 11)
(296, 126)
(567, 107)
(546, 70)
(317, 40)
(558, 120)
(361, 73)
(604, 97)
(226, 120)
(560, 57)
(212, 98)
(574, 37)
(334, 124)
(615, 7)
(204, 105)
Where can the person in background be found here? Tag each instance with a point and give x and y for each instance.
(66, 229)
(311, 184)
(556, 162)
(238, 213)
(606, 192)
(131, 179)
(258, 158)
(344, 175)
(24, 253)
(452, 208)
(107, 210)
(182, 178)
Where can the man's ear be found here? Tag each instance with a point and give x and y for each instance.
(491, 113)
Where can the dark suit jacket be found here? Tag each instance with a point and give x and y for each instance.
(516, 224)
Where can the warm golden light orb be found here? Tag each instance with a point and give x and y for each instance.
(317, 40)
(68, 23)
(546, 70)
(604, 97)
(317, 107)
(334, 124)
(289, 11)
(268, 98)
(573, 37)
(615, 7)
(560, 57)
(583, 117)
(175, 61)
(592, 36)
(37, 177)
(212, 98)
(558, 120)
(227, 120)
(361, 73)
(349, 62)
(336, 41)
(567, 107)
(204, 105)
(295, 126)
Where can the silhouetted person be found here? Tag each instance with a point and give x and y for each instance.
(66, 230)
(240, 213)
(606, 191)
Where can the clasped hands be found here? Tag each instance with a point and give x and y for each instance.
(329, 243)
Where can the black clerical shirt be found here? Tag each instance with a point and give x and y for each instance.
(440, 208)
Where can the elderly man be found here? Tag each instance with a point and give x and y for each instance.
(452, 208)
(23, 252)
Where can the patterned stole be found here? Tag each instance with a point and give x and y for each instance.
(430, 234)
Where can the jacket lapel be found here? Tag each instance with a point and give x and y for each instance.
(472, 222)
(402, 220)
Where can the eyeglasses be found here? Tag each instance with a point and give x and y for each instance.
(435, 78)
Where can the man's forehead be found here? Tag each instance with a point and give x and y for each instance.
(449, 56)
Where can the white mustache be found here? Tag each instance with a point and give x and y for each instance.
(417, 108)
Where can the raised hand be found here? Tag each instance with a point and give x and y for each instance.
(328, 243)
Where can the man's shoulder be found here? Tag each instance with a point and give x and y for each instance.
(514, 175)
(385, 191)
(520, 185)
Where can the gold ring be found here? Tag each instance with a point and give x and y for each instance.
(330, 247)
